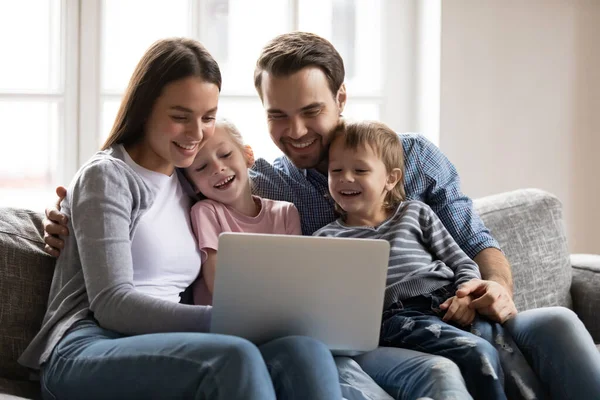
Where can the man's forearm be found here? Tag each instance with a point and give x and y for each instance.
(495, 267)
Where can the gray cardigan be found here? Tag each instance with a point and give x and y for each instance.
(94, 273)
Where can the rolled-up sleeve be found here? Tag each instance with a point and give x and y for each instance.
(442, 193)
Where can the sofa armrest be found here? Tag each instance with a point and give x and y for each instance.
(585, 290)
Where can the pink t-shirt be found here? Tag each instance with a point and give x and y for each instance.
(210, 219)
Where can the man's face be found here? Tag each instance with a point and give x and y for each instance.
(301, 114)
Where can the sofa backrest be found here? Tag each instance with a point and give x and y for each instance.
(529, 226)
(25, 277)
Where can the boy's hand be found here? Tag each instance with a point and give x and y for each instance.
(459, 310)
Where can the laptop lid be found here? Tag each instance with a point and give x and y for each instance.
(270, 286)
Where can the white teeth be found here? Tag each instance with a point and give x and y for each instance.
(345, 192)
(227, 180)
(302, 145)
(186, 146)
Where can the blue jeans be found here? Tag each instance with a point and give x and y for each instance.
(482, 355)
(553, 340)
(94, 363)
(416, 324)
(560, 350)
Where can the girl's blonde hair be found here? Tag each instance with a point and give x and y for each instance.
(384, 142)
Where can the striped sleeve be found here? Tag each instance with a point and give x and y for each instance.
(442, 245)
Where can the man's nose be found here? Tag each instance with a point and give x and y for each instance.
(297, 128)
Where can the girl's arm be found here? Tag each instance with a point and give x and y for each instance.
(209, 269)
(293, 225)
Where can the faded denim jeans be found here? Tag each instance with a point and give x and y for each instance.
(482, 354)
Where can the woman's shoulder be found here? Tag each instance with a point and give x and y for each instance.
(106, 172)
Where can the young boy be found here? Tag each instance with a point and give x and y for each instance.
(426, 265)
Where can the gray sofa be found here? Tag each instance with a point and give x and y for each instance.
(527, 223)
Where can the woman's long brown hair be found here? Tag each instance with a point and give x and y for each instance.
(166, 61)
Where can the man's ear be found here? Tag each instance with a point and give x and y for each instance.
(249, 155)
(341, 98)
(393, 178)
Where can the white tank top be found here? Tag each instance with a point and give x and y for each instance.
(166, 259)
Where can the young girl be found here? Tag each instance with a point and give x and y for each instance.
(219, 174)
(426, 265)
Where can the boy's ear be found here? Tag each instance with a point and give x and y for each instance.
(249, 155)
(393, 178)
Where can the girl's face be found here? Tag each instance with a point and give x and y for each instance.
(181, 121)
(358, 180)
(220, 170)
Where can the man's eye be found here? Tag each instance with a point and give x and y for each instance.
(277, 116)
(313, 112)
(336, 170)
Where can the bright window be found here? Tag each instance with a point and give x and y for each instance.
(66, 64)
(33, 100)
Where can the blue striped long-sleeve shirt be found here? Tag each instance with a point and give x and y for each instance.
(423, 255)
(428, 177)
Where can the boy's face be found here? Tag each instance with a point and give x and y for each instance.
(301, 114)
(358, 179)
(220, 170)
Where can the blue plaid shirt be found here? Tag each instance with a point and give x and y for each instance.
(428, 177)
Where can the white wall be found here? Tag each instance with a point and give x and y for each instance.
(520, 102)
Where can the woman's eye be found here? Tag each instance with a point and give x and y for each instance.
(335, 170)
(179, 118)
(208, 119)
(201, 168)
(226, 155)
(361, 171)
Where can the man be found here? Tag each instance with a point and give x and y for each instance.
(300, 80)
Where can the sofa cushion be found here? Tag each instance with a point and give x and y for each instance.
(25, 277)
(529, 226)
(19, 390)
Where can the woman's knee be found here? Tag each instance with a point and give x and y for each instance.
(303, 345)
(241, 351)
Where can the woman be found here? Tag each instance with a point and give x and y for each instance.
(114, 327)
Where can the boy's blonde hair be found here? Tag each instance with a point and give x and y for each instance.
(384, 142)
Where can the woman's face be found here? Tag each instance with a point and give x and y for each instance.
(181, 120)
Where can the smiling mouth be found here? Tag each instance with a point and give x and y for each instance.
(224, 183)
(186, 146)
(302, 145)
(349, 193)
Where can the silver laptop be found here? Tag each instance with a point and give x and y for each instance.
(270, 286)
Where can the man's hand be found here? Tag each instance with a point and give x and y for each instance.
(55, 224)
(459, 310)
(491, 299)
